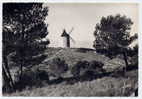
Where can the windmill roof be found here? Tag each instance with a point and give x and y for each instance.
(64, 33)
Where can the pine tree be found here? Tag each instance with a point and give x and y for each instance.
(112, 36)
(24, 28)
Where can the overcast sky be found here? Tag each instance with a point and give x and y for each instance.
(83, 17)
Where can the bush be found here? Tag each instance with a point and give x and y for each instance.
(96, 64)
(79, 68)
(134, 60)
(85, 67)
(133, 53)
(30, 78)
(57, 67)
(95, 68)
(75, 71)
(42, 75)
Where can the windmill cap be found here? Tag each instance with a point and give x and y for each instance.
(64, 33)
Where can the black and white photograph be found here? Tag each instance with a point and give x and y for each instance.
(70, 49)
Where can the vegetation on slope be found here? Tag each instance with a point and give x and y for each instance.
(109, 84)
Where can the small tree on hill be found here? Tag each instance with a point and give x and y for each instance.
(112, 35)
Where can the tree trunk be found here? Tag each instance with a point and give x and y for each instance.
(7, 71)
(126, 62)
(21, 70)
(21, 50)
(6, 87)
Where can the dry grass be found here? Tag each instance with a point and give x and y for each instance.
(106, 86)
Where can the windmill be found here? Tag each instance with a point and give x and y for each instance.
(66, 38)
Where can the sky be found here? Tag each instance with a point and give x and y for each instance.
(83, 17)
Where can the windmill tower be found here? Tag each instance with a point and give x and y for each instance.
(66, 38)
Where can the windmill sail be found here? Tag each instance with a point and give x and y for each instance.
(71, 30)
(72, 39)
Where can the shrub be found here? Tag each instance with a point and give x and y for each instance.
(134, 60)
(96, 64)
(57, 67)
(30, 77)
(42, 75)
(133, 53)
(79, 68)
(75, 70)
(87, 68)
(95, 68)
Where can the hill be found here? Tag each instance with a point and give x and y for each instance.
(103, 85)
